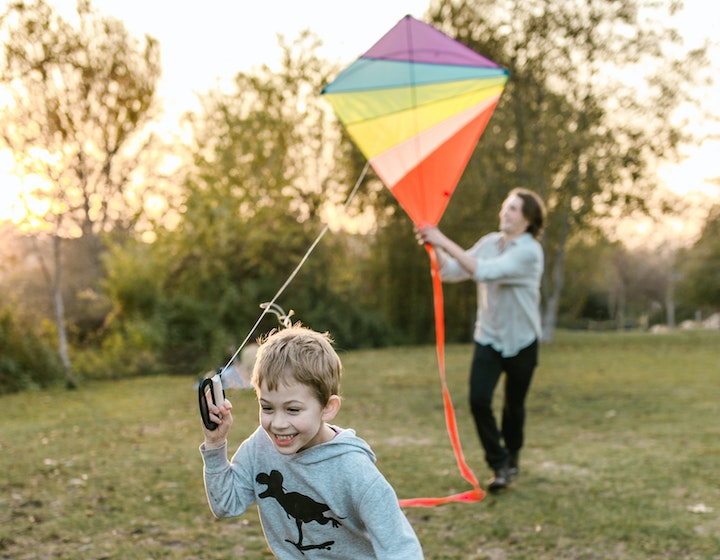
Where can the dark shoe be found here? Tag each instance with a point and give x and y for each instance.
(501, 480)
(514, 463)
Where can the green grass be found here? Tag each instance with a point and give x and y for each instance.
(622, 444)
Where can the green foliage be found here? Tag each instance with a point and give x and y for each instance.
(566, 125)
(331, 294)
(27, 359)
(132, 338)
(254, 202)
(133, 279)
(591, 285)
(133, 350)
(620, 459)
(399, 274)
(700, 267)
(80, 99)
(268, 166)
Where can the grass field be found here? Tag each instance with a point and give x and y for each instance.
(622, 459)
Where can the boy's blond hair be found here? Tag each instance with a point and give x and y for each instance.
(300, 354)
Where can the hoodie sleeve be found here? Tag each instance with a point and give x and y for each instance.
(391, 534)
(229, 487)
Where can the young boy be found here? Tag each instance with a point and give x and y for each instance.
(316, 485)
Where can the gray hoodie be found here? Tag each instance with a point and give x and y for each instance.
(328, 501)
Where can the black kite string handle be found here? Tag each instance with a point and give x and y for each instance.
(210, 386)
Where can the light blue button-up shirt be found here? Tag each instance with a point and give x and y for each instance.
(508, 290)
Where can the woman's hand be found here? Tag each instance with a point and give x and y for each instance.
(429, 235)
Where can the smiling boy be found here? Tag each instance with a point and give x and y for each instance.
(316, 485)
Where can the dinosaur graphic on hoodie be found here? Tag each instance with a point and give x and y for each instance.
(328, 501)
(298, 506)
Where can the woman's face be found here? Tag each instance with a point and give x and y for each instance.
(512, 221)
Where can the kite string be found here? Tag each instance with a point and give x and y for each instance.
(266, 307)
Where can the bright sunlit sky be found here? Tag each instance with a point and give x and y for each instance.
(204, 43)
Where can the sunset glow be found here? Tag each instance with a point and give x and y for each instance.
(224, 43)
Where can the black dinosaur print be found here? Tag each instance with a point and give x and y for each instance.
(297, 506)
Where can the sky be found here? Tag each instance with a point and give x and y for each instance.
(207, 42)
(204, 43)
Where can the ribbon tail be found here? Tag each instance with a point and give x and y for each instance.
(476, 494)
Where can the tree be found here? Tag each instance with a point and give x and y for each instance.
(261, 183)
(700, 267)
(26, 359)
(571, 126)
(81, 97)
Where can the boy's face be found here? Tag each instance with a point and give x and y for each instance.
(293, 418)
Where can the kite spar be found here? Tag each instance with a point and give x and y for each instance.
(416, 104)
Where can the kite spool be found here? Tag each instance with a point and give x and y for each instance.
(213, 386)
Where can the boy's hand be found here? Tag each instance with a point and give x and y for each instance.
(222, 416)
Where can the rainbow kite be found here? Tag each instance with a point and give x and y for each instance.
(416, 105)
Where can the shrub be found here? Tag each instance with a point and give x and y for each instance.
(27, 359)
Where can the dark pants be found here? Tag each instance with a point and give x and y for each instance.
(487, 366)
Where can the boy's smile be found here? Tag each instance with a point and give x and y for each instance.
(293, 418)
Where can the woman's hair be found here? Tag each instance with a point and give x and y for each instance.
(533, 210)
(297, 353)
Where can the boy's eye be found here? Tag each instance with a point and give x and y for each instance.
(293, 410)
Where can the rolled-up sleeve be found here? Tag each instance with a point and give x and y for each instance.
(508, 290)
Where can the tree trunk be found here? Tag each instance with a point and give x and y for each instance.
(55, 284)
(620, 309)
(670, 298)
(553, 301)
(554, 291)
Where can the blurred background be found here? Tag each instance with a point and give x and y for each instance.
(165, 168)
